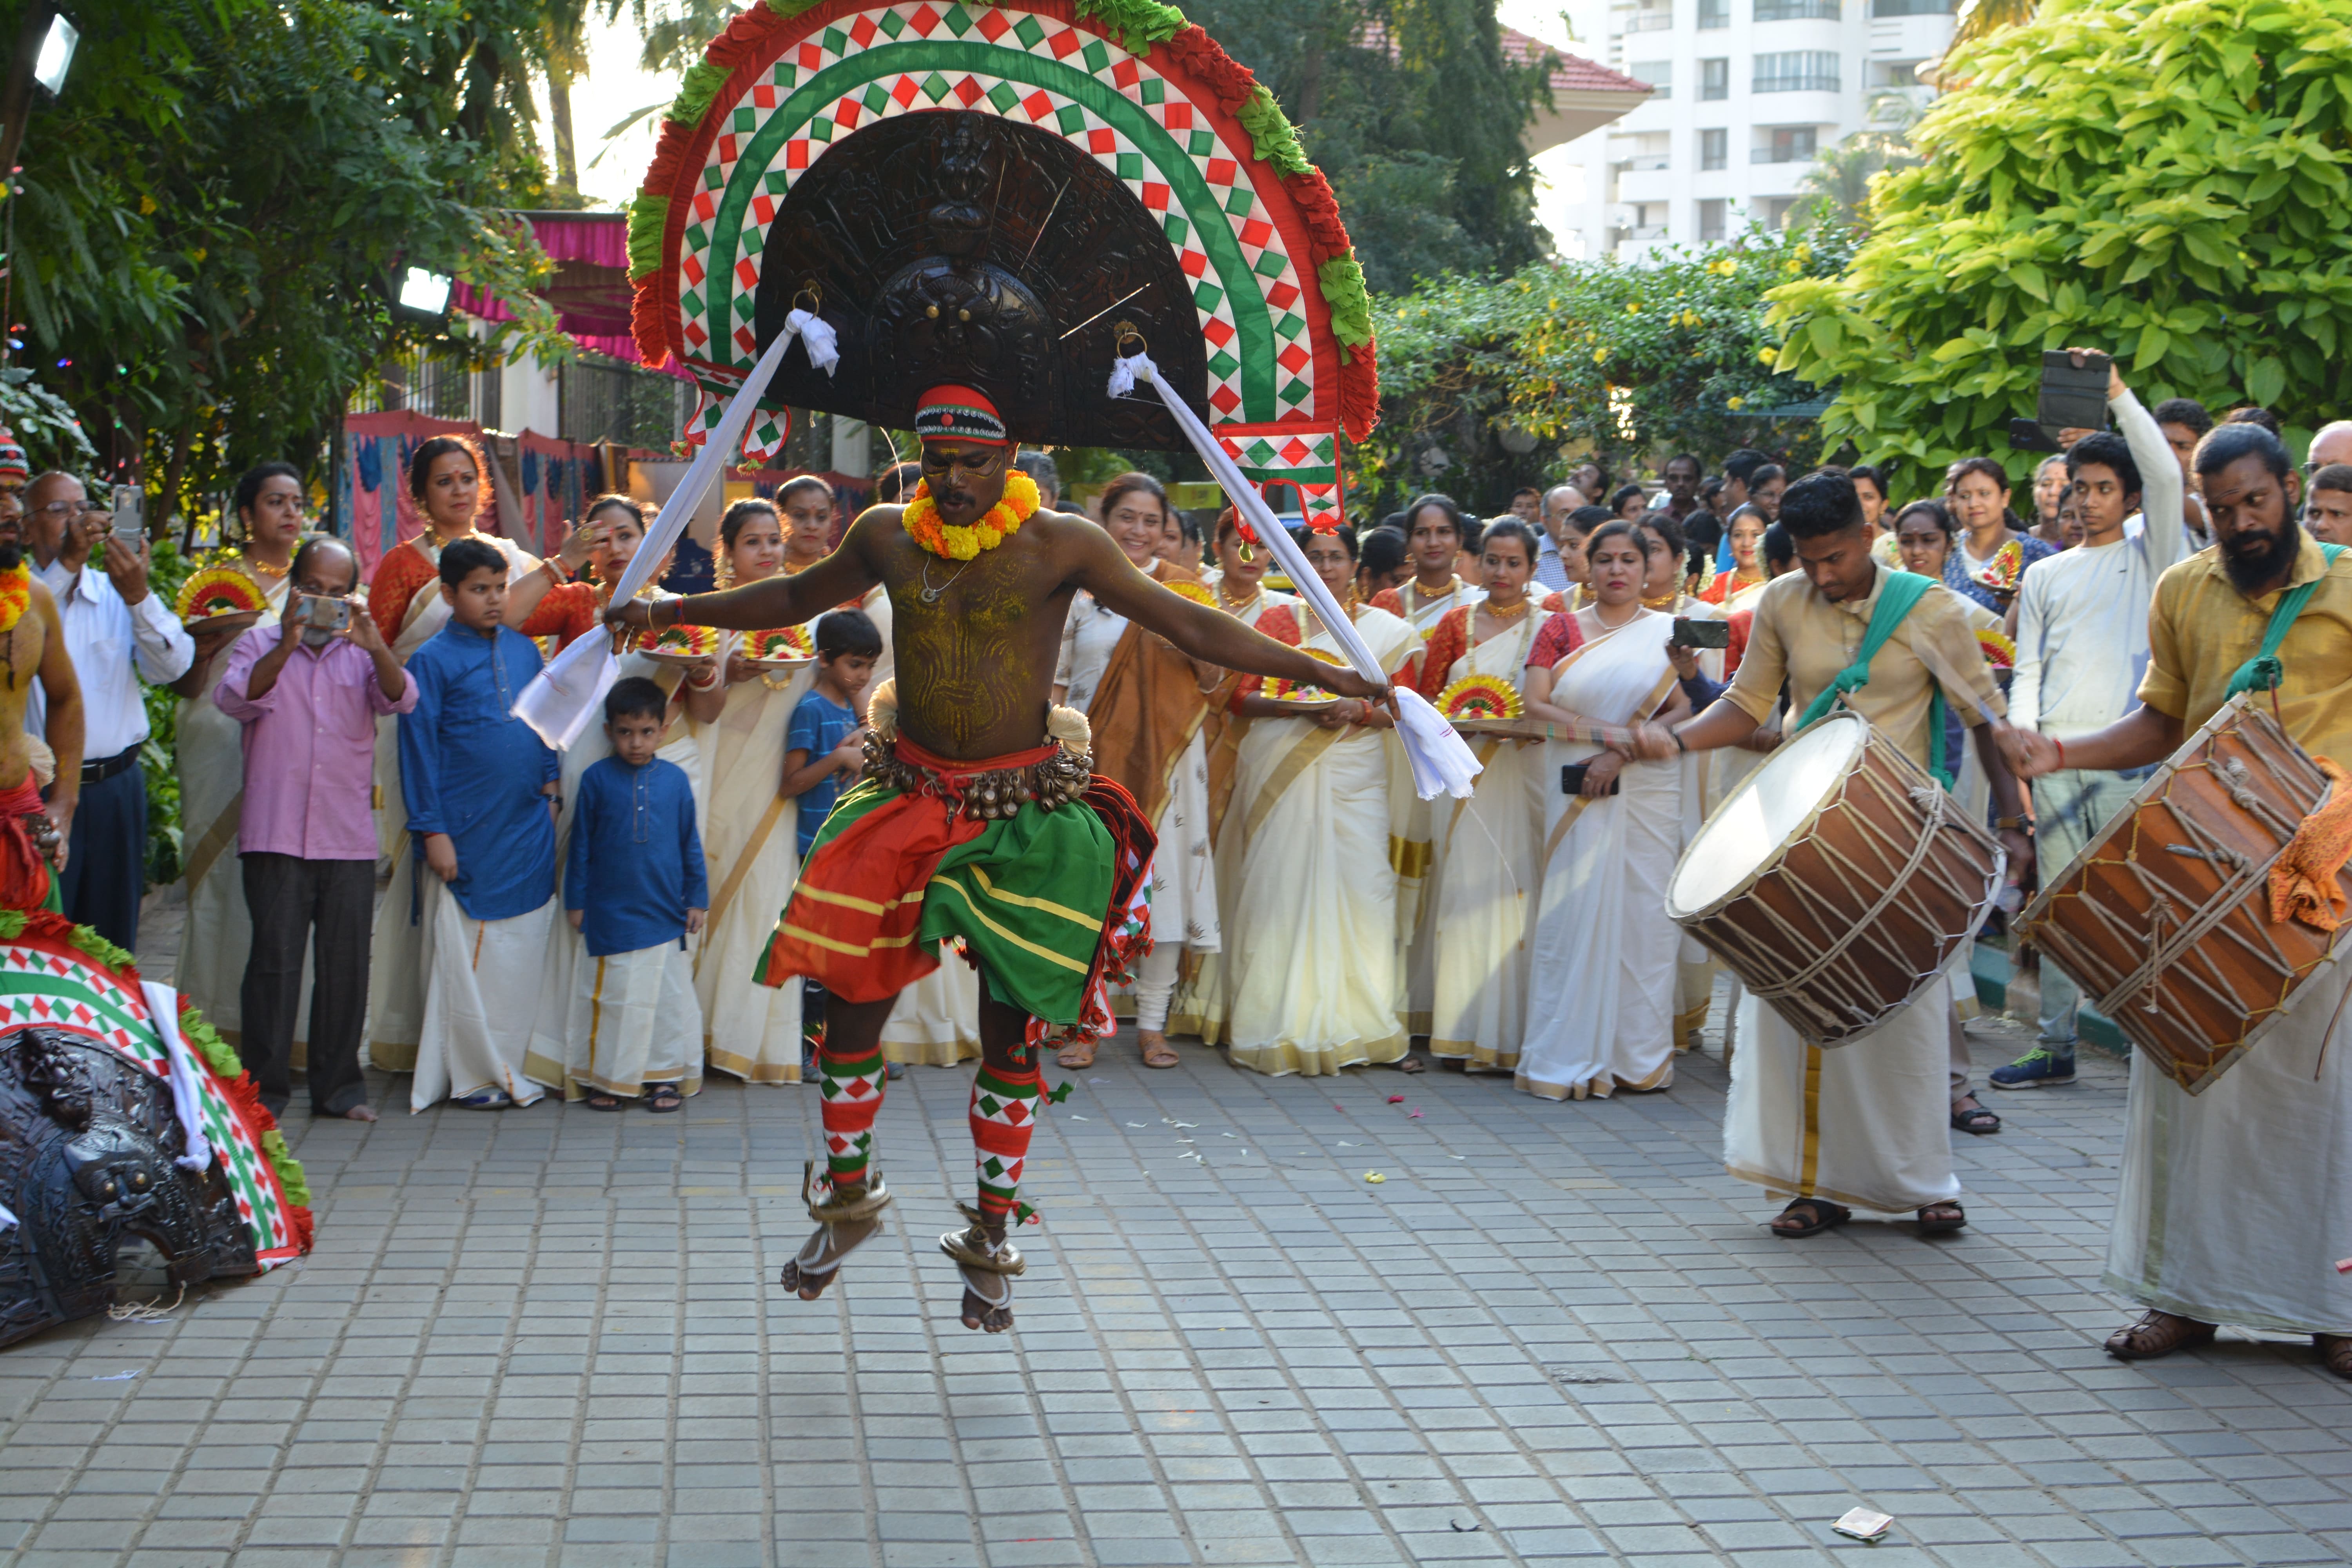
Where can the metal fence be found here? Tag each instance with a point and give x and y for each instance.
(600, 399)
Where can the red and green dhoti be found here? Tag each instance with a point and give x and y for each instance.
(1036, 897)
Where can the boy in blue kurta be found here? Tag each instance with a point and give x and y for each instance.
(480, 788)
(635, 887)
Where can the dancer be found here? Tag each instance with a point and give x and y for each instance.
(980, 817)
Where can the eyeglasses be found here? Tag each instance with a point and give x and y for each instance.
(64, 509)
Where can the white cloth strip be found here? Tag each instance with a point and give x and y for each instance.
(559, 702)
(1442, 762)
(164, 1008)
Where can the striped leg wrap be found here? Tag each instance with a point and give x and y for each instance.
(1003, 1114)
(853, 1093)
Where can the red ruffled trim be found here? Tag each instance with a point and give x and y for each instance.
(750, 38)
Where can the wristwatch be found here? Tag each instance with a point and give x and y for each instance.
(2014, 823)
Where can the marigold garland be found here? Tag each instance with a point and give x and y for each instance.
(16, 595)
(943, 539)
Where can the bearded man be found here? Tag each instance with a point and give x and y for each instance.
(2229, 1209)
(978, 818)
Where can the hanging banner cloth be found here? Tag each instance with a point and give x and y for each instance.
(1443, 764)
(559, 701)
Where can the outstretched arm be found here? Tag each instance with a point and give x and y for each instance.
(2140, 737)
(1198, 631)
(778, 601)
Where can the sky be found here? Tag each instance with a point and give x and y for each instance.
(616, 87)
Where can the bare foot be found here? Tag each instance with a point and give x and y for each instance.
(818, 1263)
(360, 1114)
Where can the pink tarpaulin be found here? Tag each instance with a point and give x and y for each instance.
(373, 478)
(590, 289)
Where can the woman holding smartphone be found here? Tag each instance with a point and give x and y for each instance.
(270, 506)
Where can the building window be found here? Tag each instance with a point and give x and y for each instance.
(1797, 71)
(1710, 220)
(1796, 10)
(1913, 7)
(1786, 145)
(1660, 74)
(1714, 149)
(1714, 80)
(1652, 16)
(1714, 14)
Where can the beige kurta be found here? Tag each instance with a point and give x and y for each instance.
(218, 936)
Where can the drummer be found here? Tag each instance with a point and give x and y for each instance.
(2233, 1206)
(1866, 1125)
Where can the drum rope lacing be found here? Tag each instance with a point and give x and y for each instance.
(2224, 901)
(1934, 807)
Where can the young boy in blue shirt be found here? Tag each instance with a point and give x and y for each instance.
(823, 752)
(635, 887)
(479, 784)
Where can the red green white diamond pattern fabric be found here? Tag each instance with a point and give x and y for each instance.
(1233, 221)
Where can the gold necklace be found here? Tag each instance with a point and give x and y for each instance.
(1237, 605)
(1502, 617)
(266, 569)
(1664, 602)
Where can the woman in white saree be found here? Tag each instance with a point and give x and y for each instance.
(1486, 877)
(1600, 996)
(1311, 973)
(269, 503)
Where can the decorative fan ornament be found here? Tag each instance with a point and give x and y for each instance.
(219, 591)
(2007, 565)
(681, 645)
(1001, 196)
(1284, 690)
(785, 645)
(1999, 651)
(1198, 593)
(1481, 696)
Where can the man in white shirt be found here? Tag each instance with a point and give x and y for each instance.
(2082, 647)
(116, 632)
(1558, 502)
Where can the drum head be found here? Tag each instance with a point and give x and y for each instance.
(1748, 831)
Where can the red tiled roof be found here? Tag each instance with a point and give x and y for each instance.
(1570, 73)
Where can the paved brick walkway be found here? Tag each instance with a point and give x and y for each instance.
(549, 1337)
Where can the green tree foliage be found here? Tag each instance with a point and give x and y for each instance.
(2165, 179)
(1631, 362)
(1413, 112)
(210, 217)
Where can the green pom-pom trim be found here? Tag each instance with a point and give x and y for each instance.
(1343, 291)
(13, 923)
(97, 947)
(1272, 136)
(290, 1169)
(649, 216)
(1140, 24)
(787, 9)
(695, 94)
(206, 1041)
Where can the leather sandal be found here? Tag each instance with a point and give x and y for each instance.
(1823, 1216)
(2335, 1353)
(1161, 1055)
(2158, 1335)
(971, 1249)
(1941, 1219)
(1076, 1055)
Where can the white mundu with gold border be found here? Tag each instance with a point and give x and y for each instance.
(1865, 1123)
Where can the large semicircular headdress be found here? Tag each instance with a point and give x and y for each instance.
(1005, 195)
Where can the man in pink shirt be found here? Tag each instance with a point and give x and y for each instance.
(308, 695)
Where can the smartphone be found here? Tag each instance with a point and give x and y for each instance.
(322, 614)
(129, 523)
(2071, 398)
(1689, 633)
(1571, 779)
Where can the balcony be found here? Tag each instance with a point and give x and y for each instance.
(1797, 10)
(1641, 162)
(1650, 22)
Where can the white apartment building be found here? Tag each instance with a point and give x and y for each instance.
(1746, 92)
